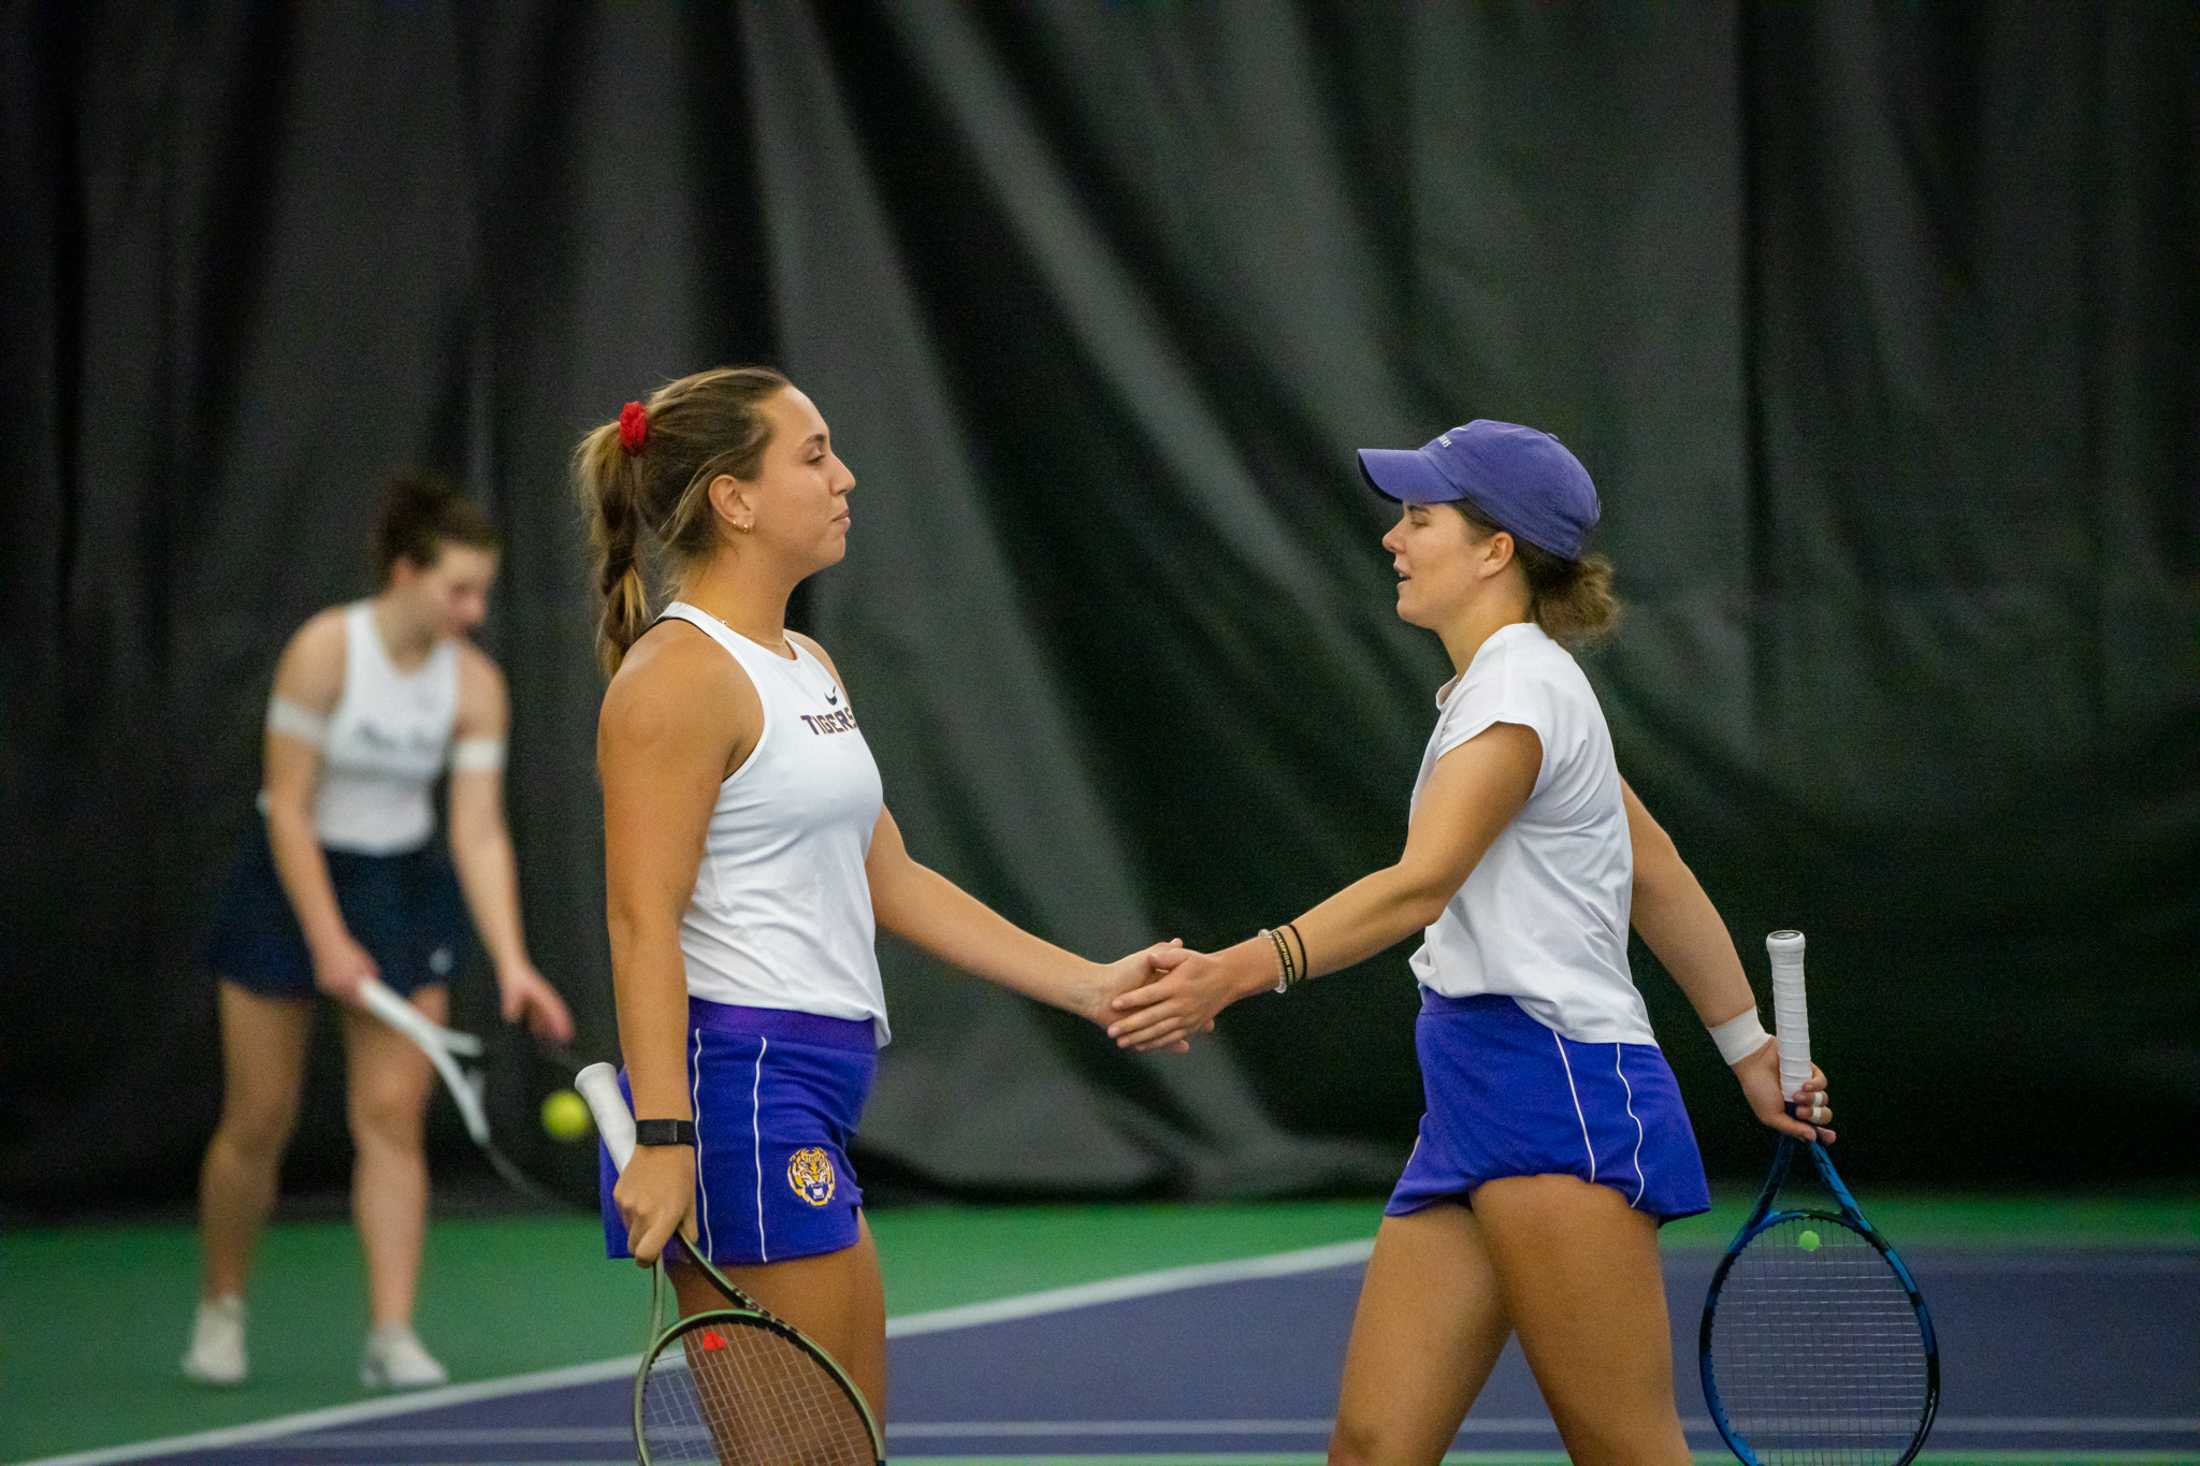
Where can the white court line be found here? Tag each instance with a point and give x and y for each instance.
(407, 1404)
(1528, 1425)
(1137, 1285)
(1492, 1425)
(1936, 1264)
(1005, 1310)
(939, 1320)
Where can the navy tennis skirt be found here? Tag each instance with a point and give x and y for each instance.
(406, 910)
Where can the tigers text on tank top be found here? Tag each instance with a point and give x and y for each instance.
(781, 912)
(388, 740)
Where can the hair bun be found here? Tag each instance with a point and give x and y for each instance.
(420, 513)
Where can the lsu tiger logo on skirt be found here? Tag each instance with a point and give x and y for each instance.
(810, 1175)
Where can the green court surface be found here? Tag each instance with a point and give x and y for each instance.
(85, 1308)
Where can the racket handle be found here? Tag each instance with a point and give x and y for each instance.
(1790, 1014)
(599, 1085)
(382, 1001)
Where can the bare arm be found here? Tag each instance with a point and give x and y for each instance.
(1680, 925)
(481, 843)
(310, 677)
(676, 717)
(1475, 790)
(1685, 933)
(926, 909)
(931, 912)
(481, 849)
(670, 724)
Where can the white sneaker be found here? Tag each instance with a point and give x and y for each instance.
(394, 1360)
(216, 1352)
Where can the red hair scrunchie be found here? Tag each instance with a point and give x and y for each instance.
(633, 427)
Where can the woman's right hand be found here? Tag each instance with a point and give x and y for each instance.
(655, 1194)
(340, 965)
(1759, 1076)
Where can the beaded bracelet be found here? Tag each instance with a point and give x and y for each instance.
(1286, 970)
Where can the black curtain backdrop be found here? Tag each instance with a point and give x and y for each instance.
(1876, 326)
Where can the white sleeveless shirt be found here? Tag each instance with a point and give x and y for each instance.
(781, 912)
(1543, 917)
(388, 741)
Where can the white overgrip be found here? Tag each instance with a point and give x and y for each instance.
(599, 1085)
(430, 1038)
(1790, 1014)
(383, 1002)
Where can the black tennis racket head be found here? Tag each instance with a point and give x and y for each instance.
(739, 1388)
(1817, 1347)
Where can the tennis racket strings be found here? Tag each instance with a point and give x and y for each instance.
(736, 1385)
(732, 1388)
(1817, 1348)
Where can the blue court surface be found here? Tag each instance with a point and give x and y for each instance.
(2063, 1355)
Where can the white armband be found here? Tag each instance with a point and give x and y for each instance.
(1740, 1036)
(477, 755)
(293, 721)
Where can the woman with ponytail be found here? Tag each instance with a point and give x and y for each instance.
(1555, 1143)
(749, 858)
(373, 703)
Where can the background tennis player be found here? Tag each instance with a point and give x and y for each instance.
(373, 703)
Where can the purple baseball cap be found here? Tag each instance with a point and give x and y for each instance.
(1522, 480)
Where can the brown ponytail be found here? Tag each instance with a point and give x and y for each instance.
(1572, 600)
(644, 480)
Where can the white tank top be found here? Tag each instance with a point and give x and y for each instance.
(781, 912)
(387, 743)
(1543, 916)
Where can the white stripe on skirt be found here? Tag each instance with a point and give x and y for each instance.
(756, 1132)
(695, 1102)
(1640, 1184)
(1585, 1145)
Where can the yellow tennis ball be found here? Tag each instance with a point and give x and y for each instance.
(1808, 1240)
(565, 1115)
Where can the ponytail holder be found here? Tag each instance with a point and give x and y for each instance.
(633, 427)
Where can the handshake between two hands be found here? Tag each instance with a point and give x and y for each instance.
(1158, 997)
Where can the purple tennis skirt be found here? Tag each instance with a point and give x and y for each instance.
(777, 1095)
(1507, 1096)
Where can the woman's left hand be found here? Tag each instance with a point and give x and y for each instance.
(1164, 1013)
(525, 994)
(1759, 1076)
(1130, 972)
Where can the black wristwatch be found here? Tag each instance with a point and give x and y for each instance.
(664, 1132)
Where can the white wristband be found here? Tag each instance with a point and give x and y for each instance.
(1740, 1036)
(295, 721)
(476, 755)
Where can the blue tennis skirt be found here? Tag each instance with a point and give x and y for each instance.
(1507, 1096)
(777, 1095)
(406, 910)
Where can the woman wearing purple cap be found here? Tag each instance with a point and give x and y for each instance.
(1554, 1143)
